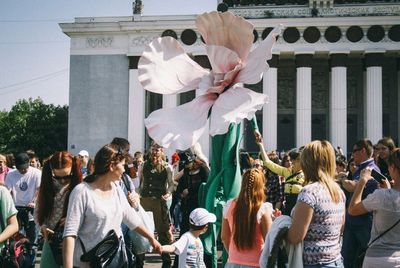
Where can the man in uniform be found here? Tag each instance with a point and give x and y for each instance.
(156, 188)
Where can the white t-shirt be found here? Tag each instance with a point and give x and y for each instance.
(385, 205)
(91, 217)
(190, 251)
(23, 186)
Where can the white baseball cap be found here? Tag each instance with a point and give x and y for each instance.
(84, 153)
(201, 216)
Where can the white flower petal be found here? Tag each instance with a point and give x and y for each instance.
(233, 106)
(165, 68)
(257, 61)
(180, 127)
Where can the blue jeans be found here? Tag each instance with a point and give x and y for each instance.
(333, 264)
(355, 239)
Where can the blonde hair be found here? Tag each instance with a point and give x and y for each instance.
(249, 201)
(318, 164)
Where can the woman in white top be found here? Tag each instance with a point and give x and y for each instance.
(97, 206)
(385, 205)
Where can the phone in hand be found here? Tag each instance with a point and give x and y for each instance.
(378, 176)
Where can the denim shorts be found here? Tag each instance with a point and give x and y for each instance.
(333, 264)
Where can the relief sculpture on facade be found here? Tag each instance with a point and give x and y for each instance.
(99, 42)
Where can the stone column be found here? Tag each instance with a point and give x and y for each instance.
(137, 106)
(169, 101)
(338, 101)
(270, 110)
(303, 99)
(373, 97)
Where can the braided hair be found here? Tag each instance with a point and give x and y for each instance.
(249, 201)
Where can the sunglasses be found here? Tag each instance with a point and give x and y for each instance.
(356, 150)
(66, 177)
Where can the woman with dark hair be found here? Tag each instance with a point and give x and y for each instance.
(246, 221)
(286, 161)
(98, 206)
(60, 174)
(383, 149)
(384, 245)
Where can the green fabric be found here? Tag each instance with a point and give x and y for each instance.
(253, 123)
(7, 208)
(223, 182)
(47, 259)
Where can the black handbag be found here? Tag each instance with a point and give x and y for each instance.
(360, 258)
(109, 252)
(55, 242)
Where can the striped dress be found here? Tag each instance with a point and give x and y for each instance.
(321, 243)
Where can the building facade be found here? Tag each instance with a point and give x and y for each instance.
(334, 74)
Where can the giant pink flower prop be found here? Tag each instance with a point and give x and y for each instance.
(165, 68)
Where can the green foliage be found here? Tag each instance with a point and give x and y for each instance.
(31, 124)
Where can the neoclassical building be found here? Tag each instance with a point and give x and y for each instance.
(334, 75)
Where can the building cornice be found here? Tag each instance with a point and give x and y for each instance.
(121, 35)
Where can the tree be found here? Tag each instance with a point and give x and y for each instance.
(31, 124)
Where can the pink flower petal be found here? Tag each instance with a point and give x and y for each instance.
(165, 68)
(180, 127)
(227, 30)
(233, 106)
(257, 61)
(222, 59)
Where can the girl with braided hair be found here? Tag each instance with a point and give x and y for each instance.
(246, 221)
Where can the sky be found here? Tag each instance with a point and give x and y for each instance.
(34, 53)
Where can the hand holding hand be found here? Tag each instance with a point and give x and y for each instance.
(156, 245)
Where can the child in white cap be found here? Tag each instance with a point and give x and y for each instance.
(189, 247)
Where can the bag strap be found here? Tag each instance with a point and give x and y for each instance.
(126, 183)
(292, 176)
(82, 245)
(382, 234)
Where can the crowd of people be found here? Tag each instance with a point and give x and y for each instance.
(331, 209)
